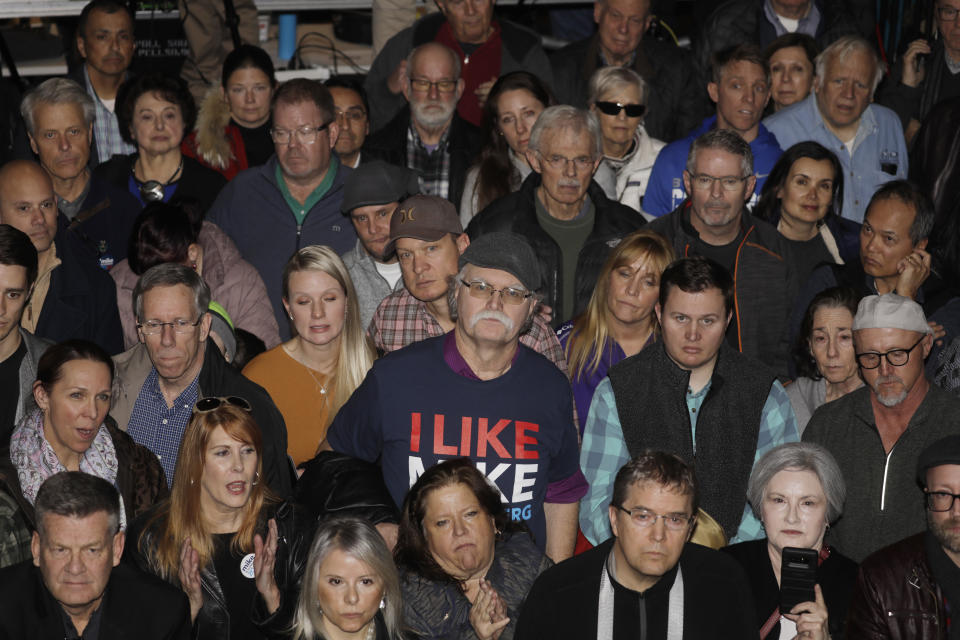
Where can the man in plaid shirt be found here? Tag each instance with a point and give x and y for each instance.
(426, 233)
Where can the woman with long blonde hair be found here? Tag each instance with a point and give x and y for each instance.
(311, 375)
(223, 532)
(619, 319)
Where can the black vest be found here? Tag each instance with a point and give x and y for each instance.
(650, 391)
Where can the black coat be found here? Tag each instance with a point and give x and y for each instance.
(563, 602)
(197, 183)
(836, 576)
(390, 145)
(82, 299)
(675, 98)
(335, 484)
(135, 605)
(106, 216)
(295, 529)
(517, 212)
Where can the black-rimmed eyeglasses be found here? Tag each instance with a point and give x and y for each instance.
(940, 500)
(896, 357)
(614, 108)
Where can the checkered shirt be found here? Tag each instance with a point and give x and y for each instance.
(401, 319)
(158, 427)
(604, 452)
(106, 129)
(432, 167)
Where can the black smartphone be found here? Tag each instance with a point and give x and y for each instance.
(798, 575)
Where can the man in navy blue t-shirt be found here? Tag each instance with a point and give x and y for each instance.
(477, 392)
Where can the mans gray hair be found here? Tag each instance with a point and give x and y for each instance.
(724, 140)
(799, 456)
(841, 48)
(563, 116)
(56, 91)
(454, 58)
(74, 494)
(606, 80)
(170, 274)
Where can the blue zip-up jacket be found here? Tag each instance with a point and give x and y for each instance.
(251, 210)
(665, 190)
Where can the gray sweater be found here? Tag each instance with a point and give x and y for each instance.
(884, 503)
(371, 287)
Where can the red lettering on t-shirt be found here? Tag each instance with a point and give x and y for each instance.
(415, 432)
(523, 439)
(439, 448)
(484, 436)
(465, 428)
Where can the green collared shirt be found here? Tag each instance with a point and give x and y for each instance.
(300, 211)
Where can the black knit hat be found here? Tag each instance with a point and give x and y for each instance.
(943, 451)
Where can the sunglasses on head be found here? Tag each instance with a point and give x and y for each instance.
(614, 108)
(210, 403)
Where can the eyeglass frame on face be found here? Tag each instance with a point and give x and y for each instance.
(671, 521)
(580, 163)
(179, 326)
(508, 295)
(354, 114)
(880, 356)
(614, 108)
(216, 402)
(728, 183)
(941, 10)
(426, 85)
(302, 133)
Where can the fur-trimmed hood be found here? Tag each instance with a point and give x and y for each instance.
(211, 140)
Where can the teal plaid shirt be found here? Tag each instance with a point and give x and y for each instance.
(604, 452)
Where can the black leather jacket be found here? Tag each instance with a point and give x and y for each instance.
(295, 529)
(896, 597)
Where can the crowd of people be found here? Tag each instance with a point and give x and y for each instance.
(623, 340)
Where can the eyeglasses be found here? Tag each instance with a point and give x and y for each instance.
(354, 114)
(947, 14)
(703, 182)
(940, 500)
(155, 327)
(305, 134)
(443, 86)
(484, 291)
(211, 403)
(614, 108)
(560, 163)
(645, 518)
(896, 357)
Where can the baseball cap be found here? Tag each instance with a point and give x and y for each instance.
(422, 217)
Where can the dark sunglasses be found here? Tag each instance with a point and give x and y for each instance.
(614, 108)
(210, 403)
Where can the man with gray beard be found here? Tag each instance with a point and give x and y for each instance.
(907, 590)
(877, 432)
(477, 392)
(428, 136)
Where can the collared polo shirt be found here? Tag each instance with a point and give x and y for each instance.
(300, 211)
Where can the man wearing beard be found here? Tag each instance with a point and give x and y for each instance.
(428, 136)
(877, 433)
(907, 590)
(476, 391)
(714, 222)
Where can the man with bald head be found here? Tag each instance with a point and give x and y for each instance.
(72, 297)
(428, 135)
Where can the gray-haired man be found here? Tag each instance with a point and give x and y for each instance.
(877, 431)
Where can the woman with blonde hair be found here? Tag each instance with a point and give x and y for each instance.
(619, 319)
(222, 532)
(311, 375)
(350, 586)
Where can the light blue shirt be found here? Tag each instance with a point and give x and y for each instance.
(879, 149)
(604, 451)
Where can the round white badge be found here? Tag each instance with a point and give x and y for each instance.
(246, 566)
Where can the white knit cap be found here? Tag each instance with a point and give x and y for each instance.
(890, 311)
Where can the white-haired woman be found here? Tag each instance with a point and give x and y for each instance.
(797, 490)
(350, 585)
(311, 375)
(618, 98)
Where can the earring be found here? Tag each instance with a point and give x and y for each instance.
(256, 477)
(191, 482)
(383, 602)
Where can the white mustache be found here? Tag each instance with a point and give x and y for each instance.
(568, 182)
(492, 314)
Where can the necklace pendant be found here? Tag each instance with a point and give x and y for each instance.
(323, 391)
